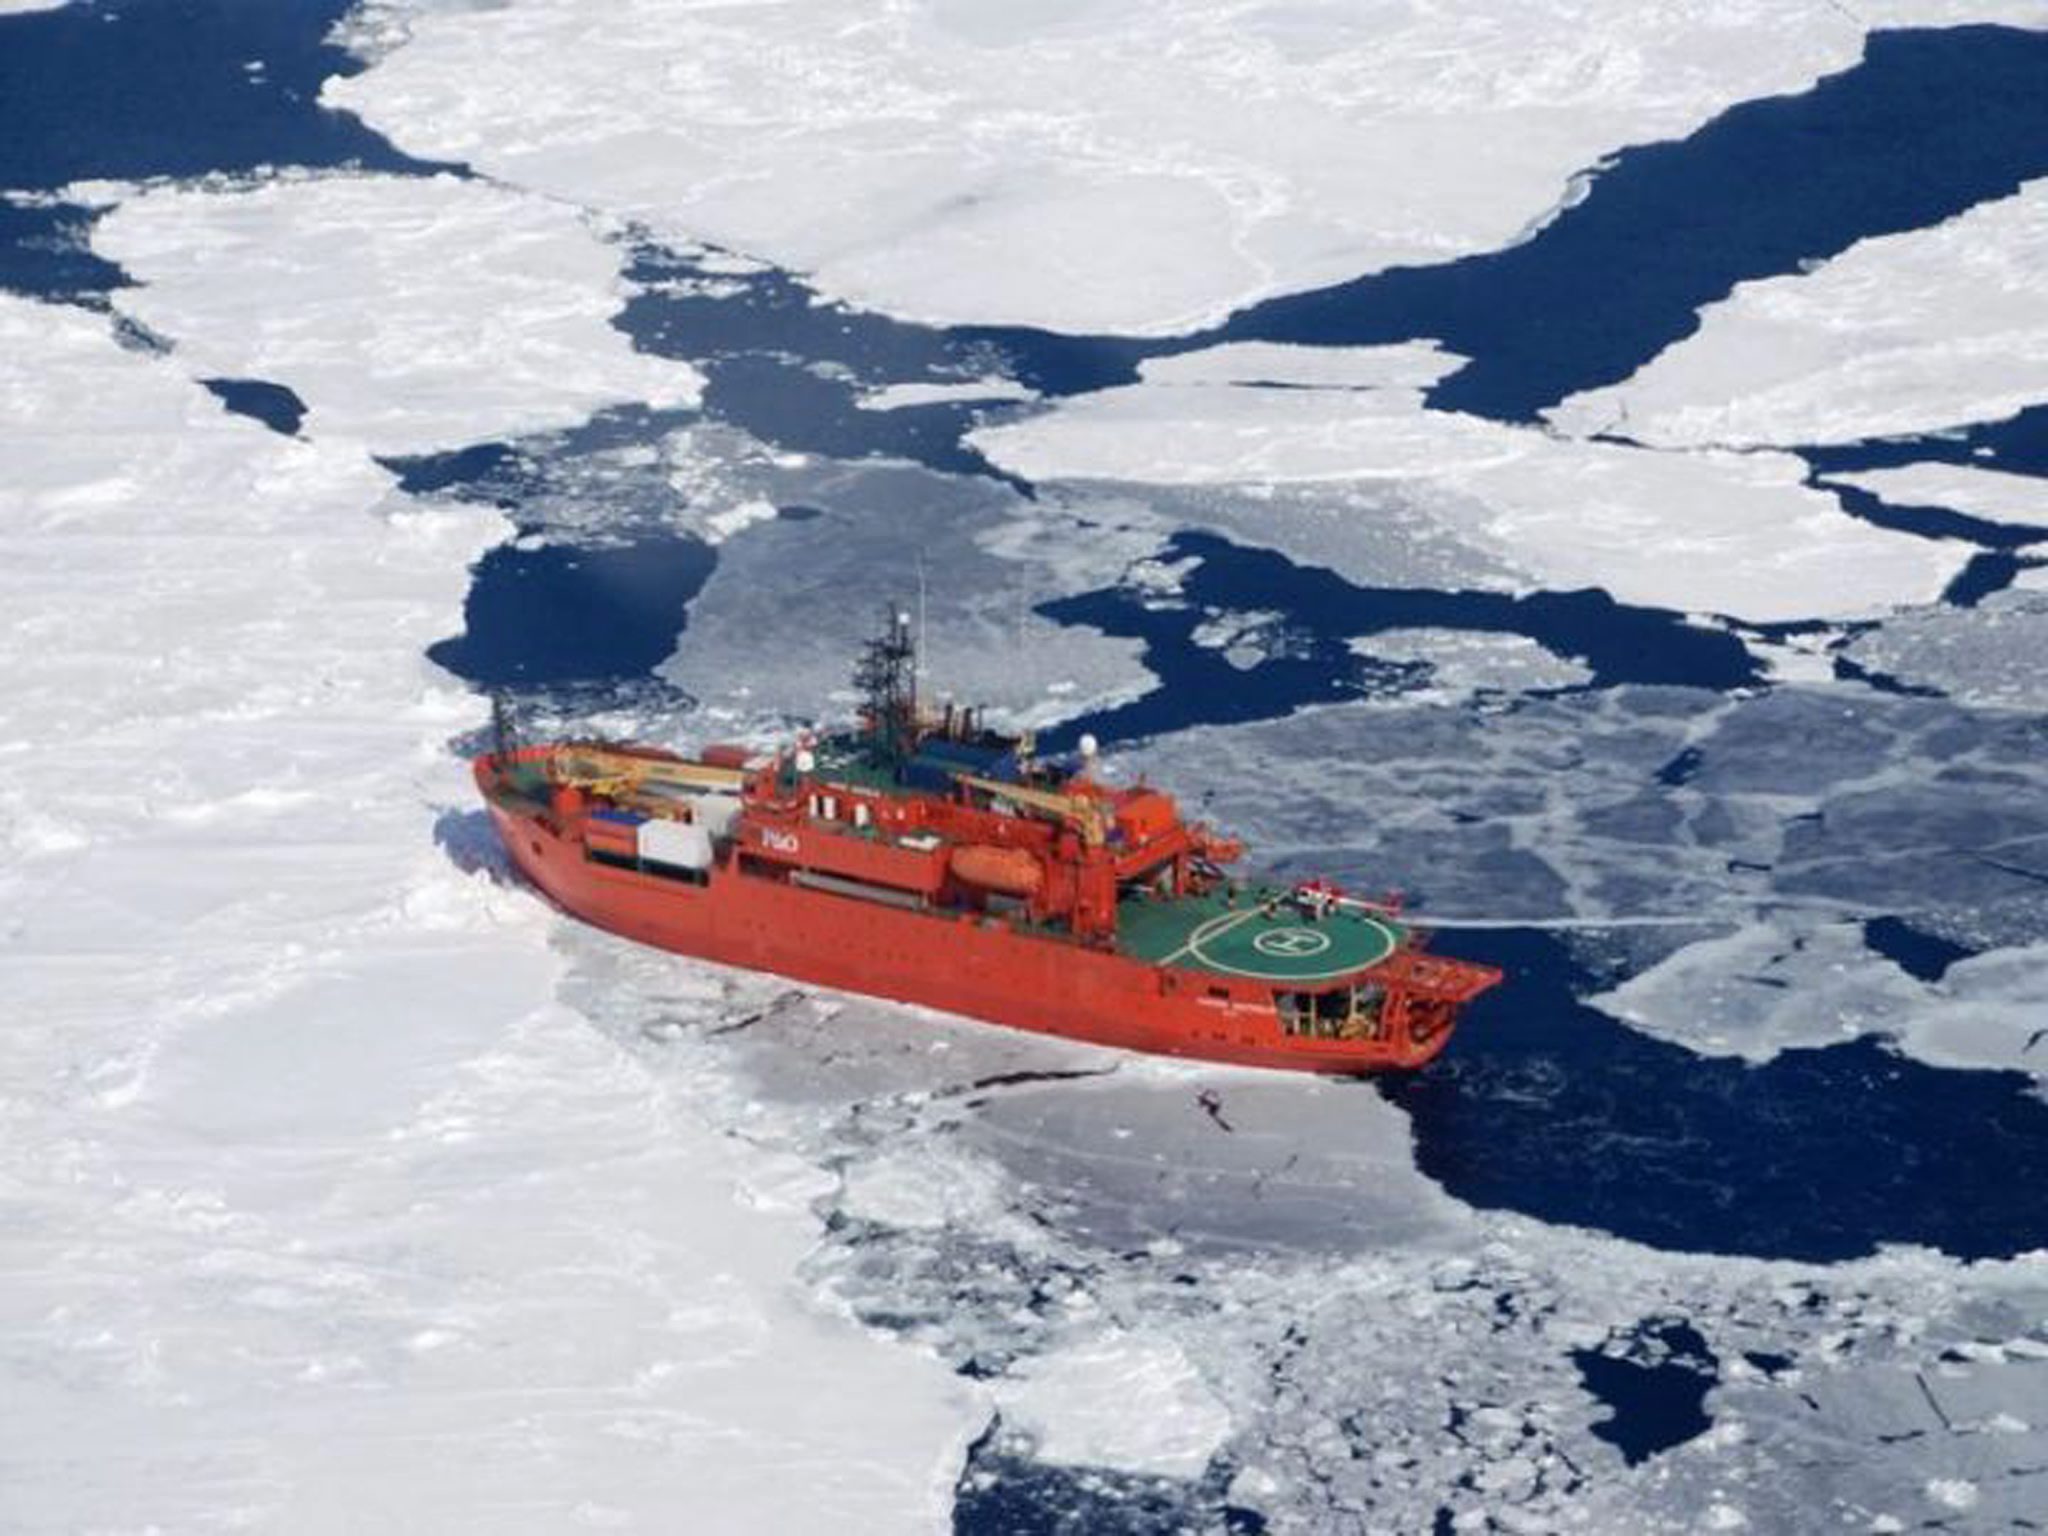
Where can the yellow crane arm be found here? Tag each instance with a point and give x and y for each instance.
(1075, 810)
(607, 772)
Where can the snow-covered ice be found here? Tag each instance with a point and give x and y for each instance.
(1083, 165)
(1991, 494)
(382, 1198)
(322, 1211)
(1773, 986)
(1739, 534)
(1899, 334)
(409, 313)
(893, 397)
(1410, 365)
(1132, 1402)
(722, 525)
(1464, 664)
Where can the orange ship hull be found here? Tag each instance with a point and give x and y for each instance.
(974, 965)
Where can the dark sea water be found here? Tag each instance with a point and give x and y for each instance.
(2017, 445)
(1654, 1385)
(1543, 1105)
(1551, 1108)
(1925, 956)
(568, 614)
(1321, 611)
(129, 89)
(276, 407)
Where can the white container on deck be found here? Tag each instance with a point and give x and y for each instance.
(675, 843)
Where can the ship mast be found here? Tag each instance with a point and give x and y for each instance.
(886, 676)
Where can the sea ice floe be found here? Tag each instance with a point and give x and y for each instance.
(321, 1211)
(892, 397)
(1236, 1285)
(1084, 166)
(1899, 334)
(1988, 655)
(1135, 1403)
(722, 525)
(1712, 532)
(409, 313)
(1461, 664)
(968, 560)
(1411, 365)
(1245, 639)
(1770, 987)
(1990, 1010)
(1371, 534)
(1991, 494)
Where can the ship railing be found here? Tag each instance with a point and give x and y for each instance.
(1436, 977)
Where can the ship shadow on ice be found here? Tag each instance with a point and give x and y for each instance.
(473, 846)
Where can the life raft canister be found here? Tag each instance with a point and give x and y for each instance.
(1009, 871)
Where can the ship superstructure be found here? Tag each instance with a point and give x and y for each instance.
(926, 858)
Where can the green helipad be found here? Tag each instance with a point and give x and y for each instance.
(1266, 940)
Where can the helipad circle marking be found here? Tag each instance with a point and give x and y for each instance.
(1291, 943)
(1201, 946)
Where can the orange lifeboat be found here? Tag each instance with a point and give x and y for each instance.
(1008, 871)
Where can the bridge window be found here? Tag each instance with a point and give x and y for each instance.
(1347, 1013)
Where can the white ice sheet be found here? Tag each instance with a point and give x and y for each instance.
(322, 1214)
(1904, 333)
(1085, 165)
(408, 313)
(1987, 493)
(1707, 532)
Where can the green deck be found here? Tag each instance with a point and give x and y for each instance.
(1207, 933)
(839, 763)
